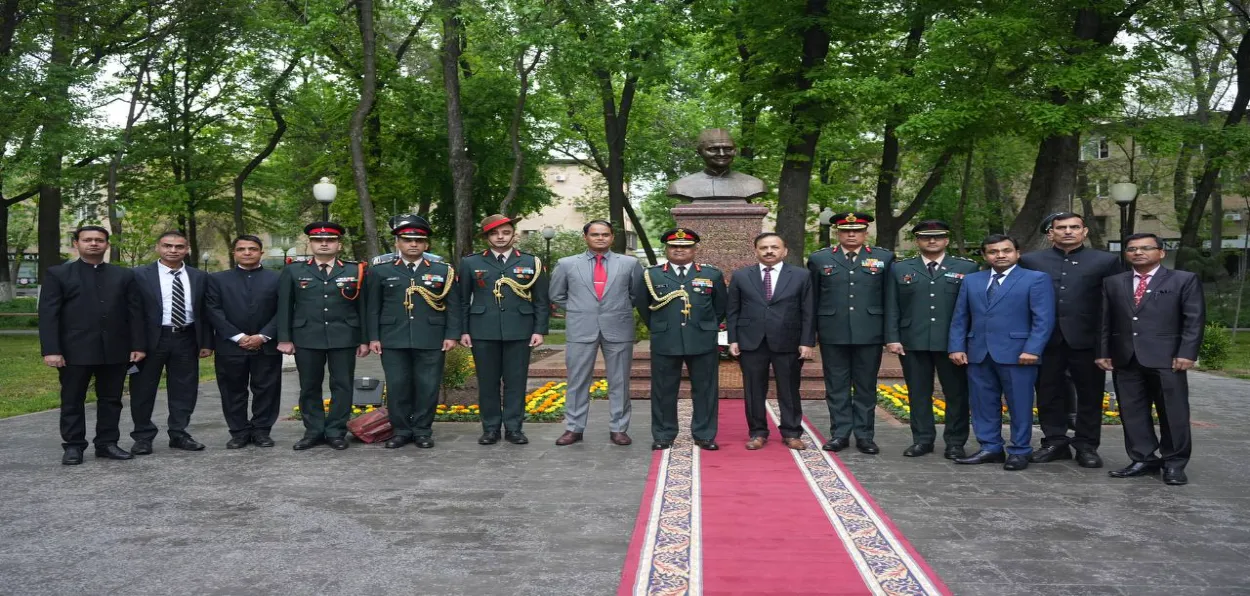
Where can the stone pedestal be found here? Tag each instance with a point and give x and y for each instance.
(726, 230)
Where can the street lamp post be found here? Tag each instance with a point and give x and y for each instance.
(826, 222)
(548, 233)
(204, 256)
(325, 191)
(1124, 193)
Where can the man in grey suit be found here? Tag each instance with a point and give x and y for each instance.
(598, 290)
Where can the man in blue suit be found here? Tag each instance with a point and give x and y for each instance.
(1003, 318)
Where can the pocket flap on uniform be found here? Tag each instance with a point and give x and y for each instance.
(874, 310)
(526, 308)
(388, 319)
(299, 322)
(438, 319)
(904, 322)
(477, 309)
(709, 325)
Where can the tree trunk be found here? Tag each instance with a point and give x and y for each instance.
(115, 222)
(888, 227)
(271, 99)
(1054, 180)
(368, 90)
(514, 129)
(641, 231)
(888, 174)
(961, 209)
(54, 125)
(458, 153)
(993, 201)
(7, 290)
(1180, 181)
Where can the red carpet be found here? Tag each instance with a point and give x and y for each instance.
(772, 521)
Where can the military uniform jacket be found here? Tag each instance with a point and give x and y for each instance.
(920, 316)
(421, 327)
(672, 334)
(851, 297)
(509, 317)
(322, 312)
(1077, 279)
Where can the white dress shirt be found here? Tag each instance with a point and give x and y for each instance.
(776, 271)
(1001, 279)
(926, 262)
(1149, 276)
(505, 255)
(167, 293)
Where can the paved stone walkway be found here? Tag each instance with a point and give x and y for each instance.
(542, 520)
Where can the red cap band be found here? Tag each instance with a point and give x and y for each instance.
(494, 224)
(323, 231)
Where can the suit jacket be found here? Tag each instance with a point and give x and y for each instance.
(785, 322)
(509, 317)
(147, 279)
(239, 301)
(321, 312)
(91, 314)
(422, 327)
(1076, 278)
(1018, 320)
(1167, 324)
(851, 297)
(673, 333)
(919, 317)
(572, 287)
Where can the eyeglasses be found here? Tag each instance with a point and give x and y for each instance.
(1135, 249)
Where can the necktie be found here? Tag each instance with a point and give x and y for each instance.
(412, 267)
(932, 268)
(178, 310)
(499, 258)
(990, 291)
(1144, 280)
(325, 269)
(850, 256)
(681, 272)
(601, 276)
(768, 284)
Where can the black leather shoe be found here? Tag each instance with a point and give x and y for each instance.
(186, 443)
(141, 447)
(1137, 468)
(488, 438)
(1049, 453)
(262, 440)
(660, 445)
(1015, 463)
(516, 437)
(954, 452)
(1174, 477)
(112, 451)
(337, 443)
(707, 445)
(397, 441)
(918, 450)
(1088, 458)
(867, 446)
(72, 457)
(837, 444)
(238, 442)
(306, 443)
(983, 457)
(424, 442)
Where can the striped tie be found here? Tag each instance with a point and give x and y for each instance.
(178, 312)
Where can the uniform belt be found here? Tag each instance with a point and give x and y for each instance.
(175, 330)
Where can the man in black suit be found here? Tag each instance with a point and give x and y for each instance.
(770, 322)
(242, 306)
(1077, 273)
(1152, 322)
(177, 331)
(90, 325)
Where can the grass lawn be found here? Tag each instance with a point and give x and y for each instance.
(19, 305)
(1239, 356)
(554, 339)
(27, 385)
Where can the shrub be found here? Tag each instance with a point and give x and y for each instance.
(1216, 345)
(458, 368)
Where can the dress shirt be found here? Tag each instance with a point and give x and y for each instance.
(776, 271)
(1150, 275)
(505, 255)
(167, 293)
(927, 260)
(1001, 279)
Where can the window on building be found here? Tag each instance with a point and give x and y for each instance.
(1100, 222)
(1102, 188)
(1095, 147)
(1150, 186)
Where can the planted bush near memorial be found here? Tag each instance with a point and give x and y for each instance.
(895, 400)
(544, 404)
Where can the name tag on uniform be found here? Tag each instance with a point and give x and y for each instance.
(304, 281)
(392, 279)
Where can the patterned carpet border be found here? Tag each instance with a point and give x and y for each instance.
(671, 561)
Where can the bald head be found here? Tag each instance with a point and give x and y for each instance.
(715, 136)
(717, 149)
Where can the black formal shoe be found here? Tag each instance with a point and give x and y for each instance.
(112, 451)
(424, 442)
(306, 443)
(186, 443)
(867, 446)
(954, 452)
(141, 447)
(516, 437)
(1174, 477)
(983, 457)
(918, 450)
(1137, 468)
(397, 441)
(72, 457)
(707, 445)
(837, 444)
(337, 443)
(1088, 458)
(489, 437)
(1016, 462)
(262, 440)
(238, 442)
(659, 445)
(1049, 453)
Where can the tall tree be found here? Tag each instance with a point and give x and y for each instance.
(368, 91)
(458, 153)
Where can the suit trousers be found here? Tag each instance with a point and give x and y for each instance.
(1053, 394)
(1137, 388)
(260, 372)
(177, 356)
(579, 359)
(788, 369)
(109, 381)
(919, 367)
(413, 378)
(311, 364)
(704, 393)
(505, 362)
(851, 388)
(991, 382)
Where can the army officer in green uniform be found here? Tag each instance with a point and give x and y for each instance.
(506, 307)
(917, 325)
(320, 313)
(850, 295)
(413, 320)
(683, 307)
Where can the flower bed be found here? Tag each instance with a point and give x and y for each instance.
(894, 399)
(544, 404)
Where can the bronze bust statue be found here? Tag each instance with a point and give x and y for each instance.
(717, 181)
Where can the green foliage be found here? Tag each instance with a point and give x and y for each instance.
(1216, 347)
(565, 243)
(458, 368)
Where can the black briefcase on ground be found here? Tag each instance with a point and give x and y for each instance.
(367, 391)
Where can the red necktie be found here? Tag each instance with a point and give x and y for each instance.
(601, 276)
(1141, 289)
